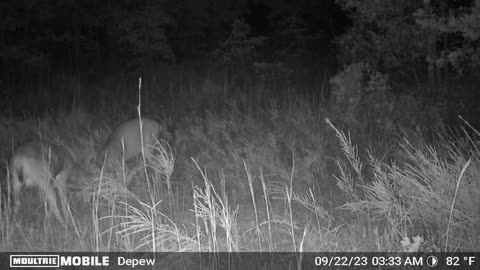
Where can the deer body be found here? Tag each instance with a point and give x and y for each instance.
(43, 165)
(129, 133)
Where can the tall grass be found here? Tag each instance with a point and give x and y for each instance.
(270, 176)
(431, 194)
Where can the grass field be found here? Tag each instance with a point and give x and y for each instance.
(241, 172)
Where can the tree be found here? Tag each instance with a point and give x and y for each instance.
(462, 26)
(384, 35)
(413, 39)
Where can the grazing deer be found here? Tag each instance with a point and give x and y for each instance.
(129, 133)
(44, 165)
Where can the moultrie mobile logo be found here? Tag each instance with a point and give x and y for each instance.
(20, 260)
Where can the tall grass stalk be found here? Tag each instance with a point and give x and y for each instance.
(267, 209)
(214, 212)
(454, 199)
(140, 121)
(252, 194)
(289, 194)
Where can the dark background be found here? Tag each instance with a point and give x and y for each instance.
(59, 53)
(343, 115)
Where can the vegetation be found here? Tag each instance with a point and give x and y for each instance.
(268, 144)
